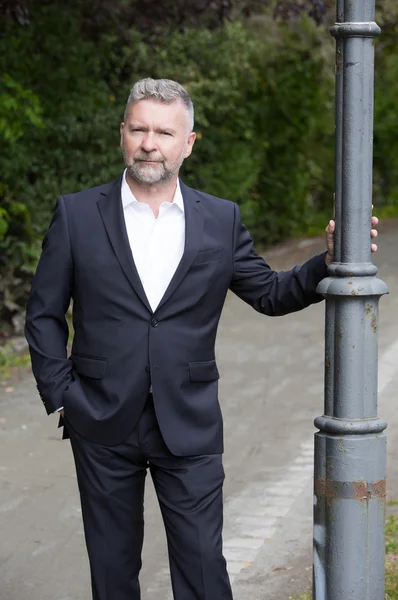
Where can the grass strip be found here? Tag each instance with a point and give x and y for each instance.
(12, 362)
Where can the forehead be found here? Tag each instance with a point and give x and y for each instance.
(158, 114)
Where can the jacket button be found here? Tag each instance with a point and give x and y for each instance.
(154, 322)
(148, 369)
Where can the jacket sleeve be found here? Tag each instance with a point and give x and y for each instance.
(270, 292)
(46, 329)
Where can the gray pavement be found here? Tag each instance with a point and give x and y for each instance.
(271, 389)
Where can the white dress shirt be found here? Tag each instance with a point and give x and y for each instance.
(157, 243)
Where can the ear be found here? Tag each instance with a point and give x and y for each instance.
(122, 124)
(190, 143)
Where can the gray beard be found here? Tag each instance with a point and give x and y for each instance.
(149, 175)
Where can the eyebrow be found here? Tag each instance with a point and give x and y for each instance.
(157, 129)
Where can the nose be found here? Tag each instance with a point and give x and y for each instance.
(148, 143)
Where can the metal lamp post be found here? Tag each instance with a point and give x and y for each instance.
(350, 447)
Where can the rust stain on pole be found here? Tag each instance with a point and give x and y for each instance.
(379, 487)
(361, 491)
(370, 313)
(350, 490)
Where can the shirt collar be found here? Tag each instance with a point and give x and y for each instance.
(128, 196)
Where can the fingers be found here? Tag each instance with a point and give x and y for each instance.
(374, 233)
(330, 227)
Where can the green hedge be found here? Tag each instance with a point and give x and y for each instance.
(263, 92)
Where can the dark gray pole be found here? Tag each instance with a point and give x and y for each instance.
(350, 447)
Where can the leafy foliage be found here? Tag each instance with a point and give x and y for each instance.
(160, 17)
(261, 76)
(19, 108)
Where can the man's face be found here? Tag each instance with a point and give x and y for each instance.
(155, 140)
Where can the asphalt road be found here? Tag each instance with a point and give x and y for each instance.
(271, 389)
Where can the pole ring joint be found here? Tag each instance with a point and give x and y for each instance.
(333, 425)
(368, 29)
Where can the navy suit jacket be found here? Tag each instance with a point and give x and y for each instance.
(120, 346)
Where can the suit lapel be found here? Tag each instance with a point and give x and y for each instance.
(111, 210)
(194, 219)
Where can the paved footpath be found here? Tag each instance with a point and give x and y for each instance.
(271, 389)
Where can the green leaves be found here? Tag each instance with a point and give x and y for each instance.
(4, 218)
(18, 107)
(264, 111)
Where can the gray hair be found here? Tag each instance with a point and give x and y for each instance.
(164, 90)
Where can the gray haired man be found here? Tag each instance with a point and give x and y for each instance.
(148, 262)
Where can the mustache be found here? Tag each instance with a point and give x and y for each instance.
(141, 156)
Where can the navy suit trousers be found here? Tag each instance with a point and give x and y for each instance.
(189, 489)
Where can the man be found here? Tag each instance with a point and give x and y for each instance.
(148, 262)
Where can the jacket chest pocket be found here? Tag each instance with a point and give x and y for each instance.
(208, 256)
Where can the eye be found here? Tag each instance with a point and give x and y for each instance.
(166, 133)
